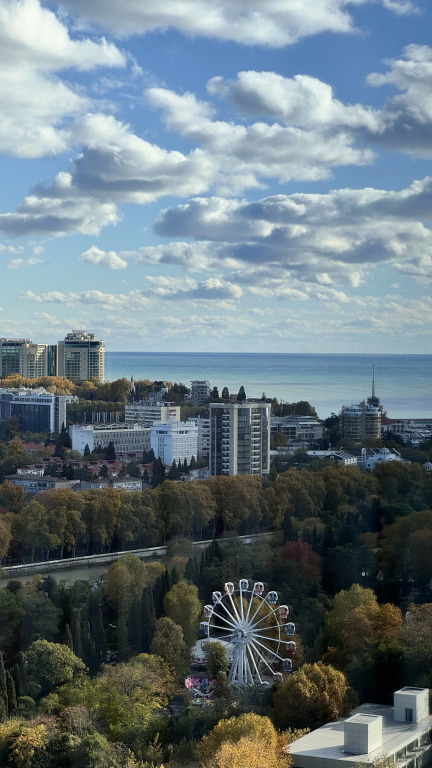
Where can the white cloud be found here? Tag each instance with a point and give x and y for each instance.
(301, 100)
(34, 46)
(20, 263)
(54, 216)
(99, 258)
(94, 297)
(245, 155)
(251, 22)
(328, 239)
(186, 288)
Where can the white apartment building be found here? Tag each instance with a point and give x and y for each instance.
(146, 413)
(240, 438)
(174, 441)
(200, 391)
(126, 438)
(81, 357)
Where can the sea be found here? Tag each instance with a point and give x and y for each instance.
(402, 382)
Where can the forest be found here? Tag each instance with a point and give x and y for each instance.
(350, 552)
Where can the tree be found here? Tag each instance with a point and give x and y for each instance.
(215, 393)
(225, 393)
(110, 453)
(4, 708)
(241, 397)
(314, 695)
(50, 665)
(169, 644)
(184, 607)
(86, 450)
(249, 740)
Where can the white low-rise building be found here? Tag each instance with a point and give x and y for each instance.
(126, 438)
(146, 413)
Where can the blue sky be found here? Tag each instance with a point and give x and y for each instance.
(239, 175)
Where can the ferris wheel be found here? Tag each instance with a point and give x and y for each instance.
(255, 633)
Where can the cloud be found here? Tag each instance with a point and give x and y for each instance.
(20, 263)
(34, 47)
(55, 216)
(251, 22)
(327, 239)
(301, 100)
(185, 288)
(244, 155)
(115, 166)
(108, 259)
(94, 297)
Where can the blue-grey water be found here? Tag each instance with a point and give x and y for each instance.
(402, 382)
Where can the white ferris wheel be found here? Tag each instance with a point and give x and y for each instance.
(253, 628)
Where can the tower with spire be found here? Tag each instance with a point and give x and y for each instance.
(373, 399)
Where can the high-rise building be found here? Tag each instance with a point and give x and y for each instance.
(21, 356)
(363, 420)
(240, 438)
(200, 391)
(360, 421)
(81, 357)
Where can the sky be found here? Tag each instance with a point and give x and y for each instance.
(233, 175)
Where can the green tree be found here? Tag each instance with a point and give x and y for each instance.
(184, 607)
(50, 665)
(169, 644)
(4, 709)
(241, 397)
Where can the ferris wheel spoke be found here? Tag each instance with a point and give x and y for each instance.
(265, 629)
(232, 624)
(276, 655)
(233, 618)
(269, 639)
(250, 605)
(258, 652)
(233, 606)
(272, 612)
(223, 629)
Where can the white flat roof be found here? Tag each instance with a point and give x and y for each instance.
(325, 746)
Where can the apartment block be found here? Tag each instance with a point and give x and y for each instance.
(81, 357)
(240, 438)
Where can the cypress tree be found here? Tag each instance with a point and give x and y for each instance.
(16, 676)
(147, 620)
(99, 635)
(11, 693)
(68, 639)
(174, 576)
(4, 709)
(287, 528)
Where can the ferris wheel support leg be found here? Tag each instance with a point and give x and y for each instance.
(255, 665)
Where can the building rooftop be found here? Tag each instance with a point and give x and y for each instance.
(324, 747)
